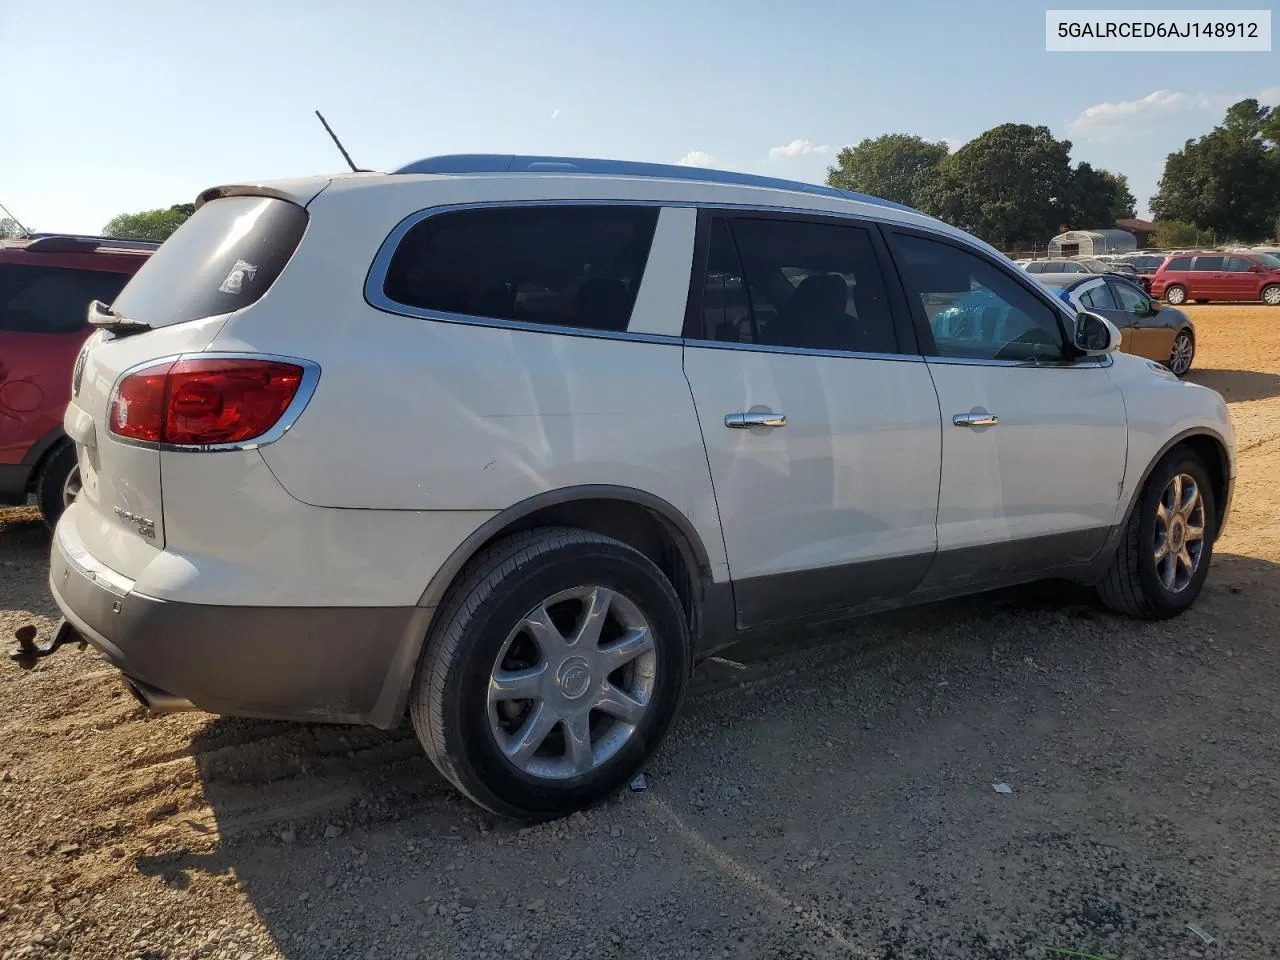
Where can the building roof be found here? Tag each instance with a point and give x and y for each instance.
(1133, 224)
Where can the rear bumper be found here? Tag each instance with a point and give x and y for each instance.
(321, 664)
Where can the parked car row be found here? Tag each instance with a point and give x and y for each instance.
(1182, 277)
(506, 443)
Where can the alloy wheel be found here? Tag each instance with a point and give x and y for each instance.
(1271, 296)
(1179, 532)
(572, 683)
(1183, 349)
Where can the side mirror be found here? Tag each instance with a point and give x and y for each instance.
(1095, 336)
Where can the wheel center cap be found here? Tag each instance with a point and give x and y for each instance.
(574, 677)
(1175, 533)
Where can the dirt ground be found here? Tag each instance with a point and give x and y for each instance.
(834, 799)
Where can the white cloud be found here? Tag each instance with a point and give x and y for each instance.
(954, 143)
(1107, 120)
(798, 148)
(555, 113)
(697, 158)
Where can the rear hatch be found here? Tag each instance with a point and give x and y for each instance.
(223, 259)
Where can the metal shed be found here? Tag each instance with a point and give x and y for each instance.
(1090, 243)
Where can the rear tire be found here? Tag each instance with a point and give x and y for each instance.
(1140, 581)
(507, 707)
(1271, 295)
(58, 483)
(1175, 295)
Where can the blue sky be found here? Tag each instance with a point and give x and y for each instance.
(121, 106)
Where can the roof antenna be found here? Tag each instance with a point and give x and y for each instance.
(16, 221)
(338, 143)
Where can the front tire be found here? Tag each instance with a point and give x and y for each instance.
(1182, 353)
(554, 670)
(1175, 295)
(58, 484)
(1164, 553)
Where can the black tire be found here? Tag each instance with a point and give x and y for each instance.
(1271, 294)
(449, 704)
(1175, 294)
(52, 480)
(1131, 584)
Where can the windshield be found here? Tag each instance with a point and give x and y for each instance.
(1268, 260)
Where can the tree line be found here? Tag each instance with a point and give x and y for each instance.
(1015, 186)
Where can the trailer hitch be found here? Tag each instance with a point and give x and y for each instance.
(29, 652)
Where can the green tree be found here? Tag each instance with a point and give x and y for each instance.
(1227, 181)
(149, 224)
(1100, 198)
(1171, 234)
(9, 228)
(896, 166)
(1012, 185)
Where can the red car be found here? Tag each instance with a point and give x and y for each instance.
(1218, 276)
(46, 284)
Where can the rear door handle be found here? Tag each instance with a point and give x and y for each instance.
(975, 419)
(765, 418)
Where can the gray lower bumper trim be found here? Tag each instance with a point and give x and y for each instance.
(325, 664)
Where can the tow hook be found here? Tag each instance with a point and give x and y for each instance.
(28, 651)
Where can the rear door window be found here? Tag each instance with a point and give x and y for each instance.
(38, 299)
(1208, 263)
(223, 258)
(562, 265)
(796, 283)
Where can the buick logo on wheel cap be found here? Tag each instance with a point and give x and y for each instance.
(574, 677)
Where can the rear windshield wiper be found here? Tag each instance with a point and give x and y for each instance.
(102, 316)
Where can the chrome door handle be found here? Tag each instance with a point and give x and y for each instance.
(741, 421)
(975, 419)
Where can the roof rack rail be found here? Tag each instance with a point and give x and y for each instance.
(71, 242)
(460, 163)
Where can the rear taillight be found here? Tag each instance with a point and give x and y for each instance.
(201, 401)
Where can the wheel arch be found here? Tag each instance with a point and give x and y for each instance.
(640, 519)
(43, 449)
(1212, 449)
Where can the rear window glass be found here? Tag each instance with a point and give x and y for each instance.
(1179, 263)
(36, 299)
(1208, 263)
(569, 266)
(224, 258)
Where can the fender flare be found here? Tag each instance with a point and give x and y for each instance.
(37, 450)
(1185, 435)
(394, 696)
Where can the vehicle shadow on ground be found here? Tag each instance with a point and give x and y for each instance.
(880, 741)
(1237, 385)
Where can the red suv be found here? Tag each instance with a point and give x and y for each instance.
(46, 284)
(1218, 276)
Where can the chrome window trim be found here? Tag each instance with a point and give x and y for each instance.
(306, 390)
(377, 274)
(694, 344)
(1076, 364)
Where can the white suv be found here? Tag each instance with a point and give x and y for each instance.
(507, 443)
